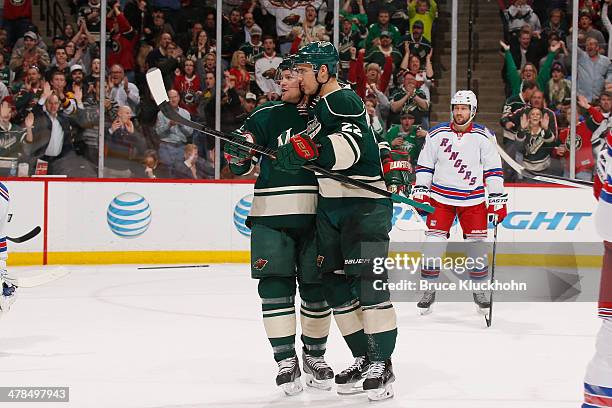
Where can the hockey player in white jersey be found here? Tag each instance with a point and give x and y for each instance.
(7, 297)
(456, 162)
(598, 380)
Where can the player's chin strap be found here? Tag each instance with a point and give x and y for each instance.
(329, 76)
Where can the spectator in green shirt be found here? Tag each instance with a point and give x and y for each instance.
(409, 98)
(407, 136)
(376, 29)
(379, 53)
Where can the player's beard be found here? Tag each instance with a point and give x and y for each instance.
(462, 123)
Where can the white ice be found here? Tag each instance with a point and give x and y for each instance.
(120, 337)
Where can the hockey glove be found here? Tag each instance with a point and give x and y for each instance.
(239, 158)
(291, 156)
(496, 208)
(421, 194)
(397, 171)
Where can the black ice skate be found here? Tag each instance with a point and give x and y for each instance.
(288, 377)
(318, 373)
(428, 299)
(350, 381)
(378, 380)
(483, 303)
(7, 294)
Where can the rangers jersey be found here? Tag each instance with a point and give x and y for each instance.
(603, 216)
(456, 165)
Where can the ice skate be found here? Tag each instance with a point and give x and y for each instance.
(428, 299)
(288, 377)
(483, 304)
(378, 380)
(8, 295)
(318, 373)
(350, 381)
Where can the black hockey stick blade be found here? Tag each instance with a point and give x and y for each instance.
(158, 91)
(174, 267)
(25, 237)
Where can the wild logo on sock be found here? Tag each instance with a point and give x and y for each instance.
(260, 264)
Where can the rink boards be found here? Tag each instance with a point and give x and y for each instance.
(115, 221)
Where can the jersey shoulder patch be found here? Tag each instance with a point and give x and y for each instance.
(343, 103)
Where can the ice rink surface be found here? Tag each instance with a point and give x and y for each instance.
(120, 337)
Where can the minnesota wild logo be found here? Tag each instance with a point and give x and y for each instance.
(260, 264)
(568, 142)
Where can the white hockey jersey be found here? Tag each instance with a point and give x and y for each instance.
(456, 166)
(4, 205)
(603, 216)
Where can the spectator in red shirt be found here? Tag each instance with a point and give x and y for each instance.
(17, 18)
(371, 75)
(188, 86)
(585, 162)
(124, 40)
(239, 70)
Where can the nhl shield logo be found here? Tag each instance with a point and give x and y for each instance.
(259, 264)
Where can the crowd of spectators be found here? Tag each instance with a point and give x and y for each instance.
(50, 87)
(538, 78)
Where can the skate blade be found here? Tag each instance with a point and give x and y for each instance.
(293, 388)
(482, 310)
(325, 385)
(425, 311)
(350, 389)
(381, 394)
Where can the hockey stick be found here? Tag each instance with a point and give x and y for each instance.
(541, 177)
(158, 91)
(38, 280)
(489, 319)
(25, 237)
(173, 267)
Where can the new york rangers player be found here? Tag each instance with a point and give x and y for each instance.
(7, 290)
(456, 163)
(598, 381)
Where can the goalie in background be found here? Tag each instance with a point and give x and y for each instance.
(7, 297)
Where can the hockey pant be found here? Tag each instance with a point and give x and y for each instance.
(473, 220)
(280, 259)
(349, 238)
(598, 380)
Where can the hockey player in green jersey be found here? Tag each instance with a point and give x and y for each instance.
(283, 241)
(352, 224)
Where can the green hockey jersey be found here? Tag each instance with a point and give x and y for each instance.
(347, 145)
(280, 199)
(411, 142)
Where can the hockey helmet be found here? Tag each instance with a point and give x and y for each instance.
(317, 54)
(286, 63)
(466, 97)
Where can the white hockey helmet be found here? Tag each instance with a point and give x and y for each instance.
(465, 98)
